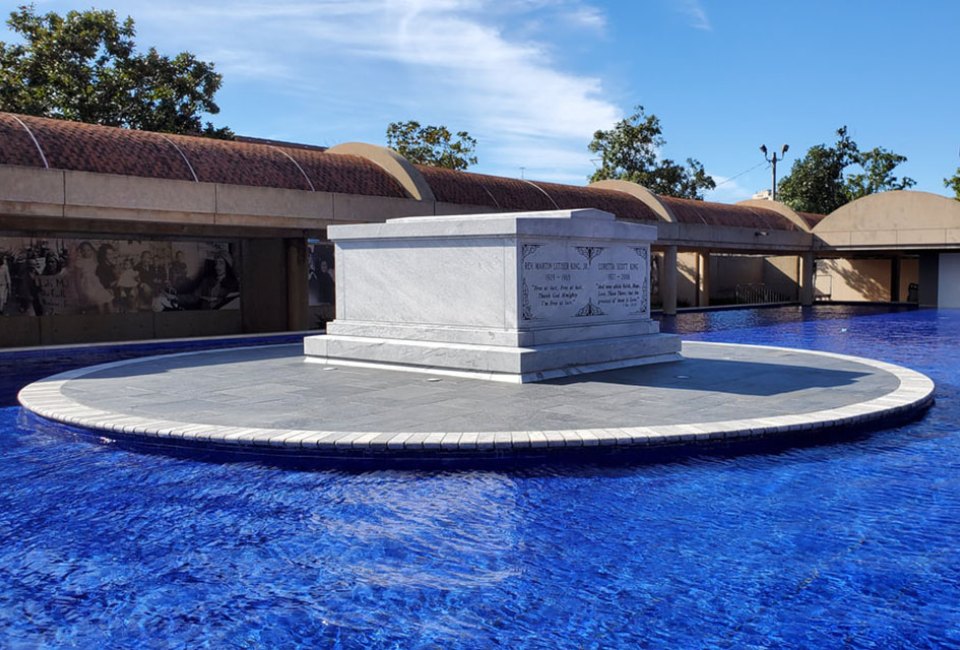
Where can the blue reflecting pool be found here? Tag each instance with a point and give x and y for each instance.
(854, 543)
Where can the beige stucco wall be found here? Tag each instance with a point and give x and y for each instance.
(909, 274)
(855, 280)
(777, 273)
(687, 280)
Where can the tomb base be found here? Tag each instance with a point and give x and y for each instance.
(493, 362)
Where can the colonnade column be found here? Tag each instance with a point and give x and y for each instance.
(703, 279)
(895, 268)
(806, 278)
(668, 287)
(297, 298)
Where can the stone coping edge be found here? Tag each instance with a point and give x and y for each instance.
(45, 398)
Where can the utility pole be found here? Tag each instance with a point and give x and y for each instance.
(783, 152)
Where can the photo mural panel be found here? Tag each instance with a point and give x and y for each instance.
(320, 277)
(50, 276)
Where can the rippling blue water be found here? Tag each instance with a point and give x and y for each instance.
(852, 544)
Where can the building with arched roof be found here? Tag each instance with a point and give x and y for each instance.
(134, 227)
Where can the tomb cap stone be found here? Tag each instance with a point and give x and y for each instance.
(582, 222)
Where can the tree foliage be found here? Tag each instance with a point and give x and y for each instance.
(432, 145)
(953, 183)
(630, 151)
(84, 67)
(819, 183)
(877, 167)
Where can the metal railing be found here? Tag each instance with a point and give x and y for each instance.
(759, 293)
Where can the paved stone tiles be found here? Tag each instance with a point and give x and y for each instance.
(269, 396)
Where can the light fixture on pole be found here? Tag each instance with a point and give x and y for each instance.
(783, 152)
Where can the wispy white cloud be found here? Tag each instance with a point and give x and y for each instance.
(339, 70)
(457, 62)
(728, 190)
(695, 13)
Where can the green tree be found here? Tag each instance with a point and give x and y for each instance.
(816, 182)
(819, 182)
(877, 174)
(953, 183)
(629, 151)
(432, 145)
(83, 66)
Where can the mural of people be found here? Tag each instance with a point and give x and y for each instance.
(320, 275)
(90, 276)
(88, 293)
(655, 278)
(28, 286)
(178, 273)
(152, 279)
(128, 285)
(108, 271)
(220, 285)
(6, 283)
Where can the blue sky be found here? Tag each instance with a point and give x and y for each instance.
(532, 79)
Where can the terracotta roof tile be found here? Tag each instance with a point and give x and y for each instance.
(811, 219)
(722, 214)
(17, 146)
(334, 172)
(107, 150)
(240, 163)
(479, 189)
(624, 206)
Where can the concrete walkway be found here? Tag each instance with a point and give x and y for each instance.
(270, 397)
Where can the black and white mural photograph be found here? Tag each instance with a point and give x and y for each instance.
(45, 277)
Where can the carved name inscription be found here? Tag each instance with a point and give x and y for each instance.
(564, 281)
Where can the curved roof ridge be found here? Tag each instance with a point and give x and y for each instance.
(715, 214)
(545, 193)
(26, 128)
(899, 210)
(639, 192)
(182, 155)
(291, 159)
(782, 209)
(392, 163)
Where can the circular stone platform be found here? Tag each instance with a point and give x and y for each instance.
(269, 397)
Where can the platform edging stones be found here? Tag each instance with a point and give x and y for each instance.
(46, 398)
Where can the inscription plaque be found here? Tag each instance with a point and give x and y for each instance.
(560, 282)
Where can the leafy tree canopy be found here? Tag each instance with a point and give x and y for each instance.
(953, 183)
(432, 145)
(83, 66)
(818, 182)
(629, 151)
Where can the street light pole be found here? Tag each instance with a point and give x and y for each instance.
(783, 152)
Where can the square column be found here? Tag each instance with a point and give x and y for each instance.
(668, 286)
(703, 279)
(807, 278)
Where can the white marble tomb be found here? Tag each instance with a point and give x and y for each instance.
(515, 297)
